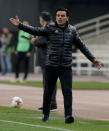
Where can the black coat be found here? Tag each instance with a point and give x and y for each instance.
(59, 48)
(0, 43)
(41, 51)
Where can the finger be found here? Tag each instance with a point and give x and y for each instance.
(11, 19)
(17, 17)
(98, 66)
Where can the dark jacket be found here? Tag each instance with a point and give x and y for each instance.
(41, 52)
(0, 43)
(59, 48)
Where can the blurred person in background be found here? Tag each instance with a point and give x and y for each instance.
(6, 50)
(0, 48)
(61, 36)
(41, 52)
(23, 53)
(0, 43)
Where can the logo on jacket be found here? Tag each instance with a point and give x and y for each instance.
(70, 31)
(56, 31)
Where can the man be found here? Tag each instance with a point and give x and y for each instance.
(41, 43)
(6, 50)
(23, 52)
(61, 37)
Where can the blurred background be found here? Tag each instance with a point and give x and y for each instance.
(80, 10)
(91, 18)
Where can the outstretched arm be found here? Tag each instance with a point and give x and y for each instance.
(86, 51)
(39, 31)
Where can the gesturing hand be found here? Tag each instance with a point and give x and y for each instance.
(15, 21)
(33, 40)
(97, 64)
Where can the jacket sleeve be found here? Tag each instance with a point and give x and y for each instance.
(80, 45)
(39, 31)
(41, 42)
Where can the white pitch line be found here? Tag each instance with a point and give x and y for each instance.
(81, 122)
(47, 127)
(89, 123)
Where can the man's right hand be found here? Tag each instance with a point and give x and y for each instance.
(15, 21)
(32, 41)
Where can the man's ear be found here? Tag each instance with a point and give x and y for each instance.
(67, 18)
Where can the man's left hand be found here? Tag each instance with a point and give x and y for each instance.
(97, 64)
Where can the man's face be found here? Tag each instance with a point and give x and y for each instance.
(5, 30)
(41, 21)
(61, 18)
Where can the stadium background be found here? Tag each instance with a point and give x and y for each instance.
(80, 10)
(91, 93)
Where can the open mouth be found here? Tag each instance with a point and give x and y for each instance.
(60, 21)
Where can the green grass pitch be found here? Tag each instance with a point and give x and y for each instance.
(12, 119)
(76, 85)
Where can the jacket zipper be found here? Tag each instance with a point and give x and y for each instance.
(62, 49)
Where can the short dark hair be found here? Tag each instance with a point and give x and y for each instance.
(46, 16)
(63, 9)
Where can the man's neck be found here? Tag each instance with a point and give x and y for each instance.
(62, 26)
(45, 23)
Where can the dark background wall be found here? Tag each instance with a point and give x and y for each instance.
(80, 10)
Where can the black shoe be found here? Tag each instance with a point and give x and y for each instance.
(40, 108)
(53, 108)
(69, 119)
(45, 118)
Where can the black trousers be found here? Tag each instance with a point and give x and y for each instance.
(53, 98)
(21, 56)
(51, 76)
